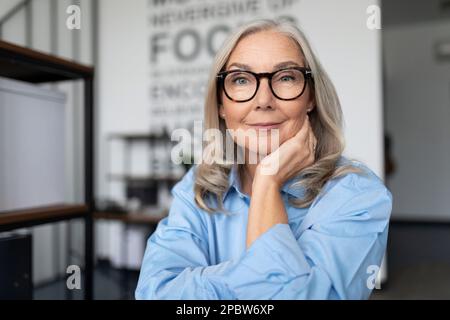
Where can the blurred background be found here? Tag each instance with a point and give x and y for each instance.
(92, 90)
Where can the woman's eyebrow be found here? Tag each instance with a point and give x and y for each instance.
(280, 65)
(240, 66)
(286, 64)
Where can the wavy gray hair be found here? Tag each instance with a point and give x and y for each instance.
(211, 179)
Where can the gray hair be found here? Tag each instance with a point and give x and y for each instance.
(211, 180)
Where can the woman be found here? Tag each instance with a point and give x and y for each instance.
(315, 228)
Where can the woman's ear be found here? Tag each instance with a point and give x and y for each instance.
(312, 105)
(311, 108)
(221, 111)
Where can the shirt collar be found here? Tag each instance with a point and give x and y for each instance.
(234, 183)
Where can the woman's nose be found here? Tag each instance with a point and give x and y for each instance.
(264, 97)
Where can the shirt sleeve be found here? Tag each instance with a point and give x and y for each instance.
(176, 262)
(331, 256)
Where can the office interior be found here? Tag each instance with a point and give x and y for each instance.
(92, 90)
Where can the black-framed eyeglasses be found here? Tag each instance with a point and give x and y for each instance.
(285, 84)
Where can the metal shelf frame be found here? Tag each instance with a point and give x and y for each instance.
(32, 66)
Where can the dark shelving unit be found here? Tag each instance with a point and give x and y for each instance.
(150, 181)
(145, 178)
(32, 66)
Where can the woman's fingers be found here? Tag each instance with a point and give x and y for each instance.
(314, 141)
(282, 158)
(302, 135)
(310, 141)
(313, 145)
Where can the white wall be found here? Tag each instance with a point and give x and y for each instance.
(418, 119)
(351, 54)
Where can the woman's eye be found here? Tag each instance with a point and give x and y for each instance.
(240, 81)
(286, 78)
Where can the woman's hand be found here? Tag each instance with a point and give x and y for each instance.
(292, 156)
(266, 207)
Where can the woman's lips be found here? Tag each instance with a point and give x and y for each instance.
(266, 126)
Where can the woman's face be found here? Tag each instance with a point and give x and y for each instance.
(265, 51)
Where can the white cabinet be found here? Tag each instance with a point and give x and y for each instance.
(32, 164)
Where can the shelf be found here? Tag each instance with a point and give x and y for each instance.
(25, 64)
(144, 178)
(29, 217)
(21, 64)
(133, 218)
(138, 136)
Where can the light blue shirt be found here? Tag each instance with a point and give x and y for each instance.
(330, 250)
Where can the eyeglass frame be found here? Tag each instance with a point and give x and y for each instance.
(307, 74)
